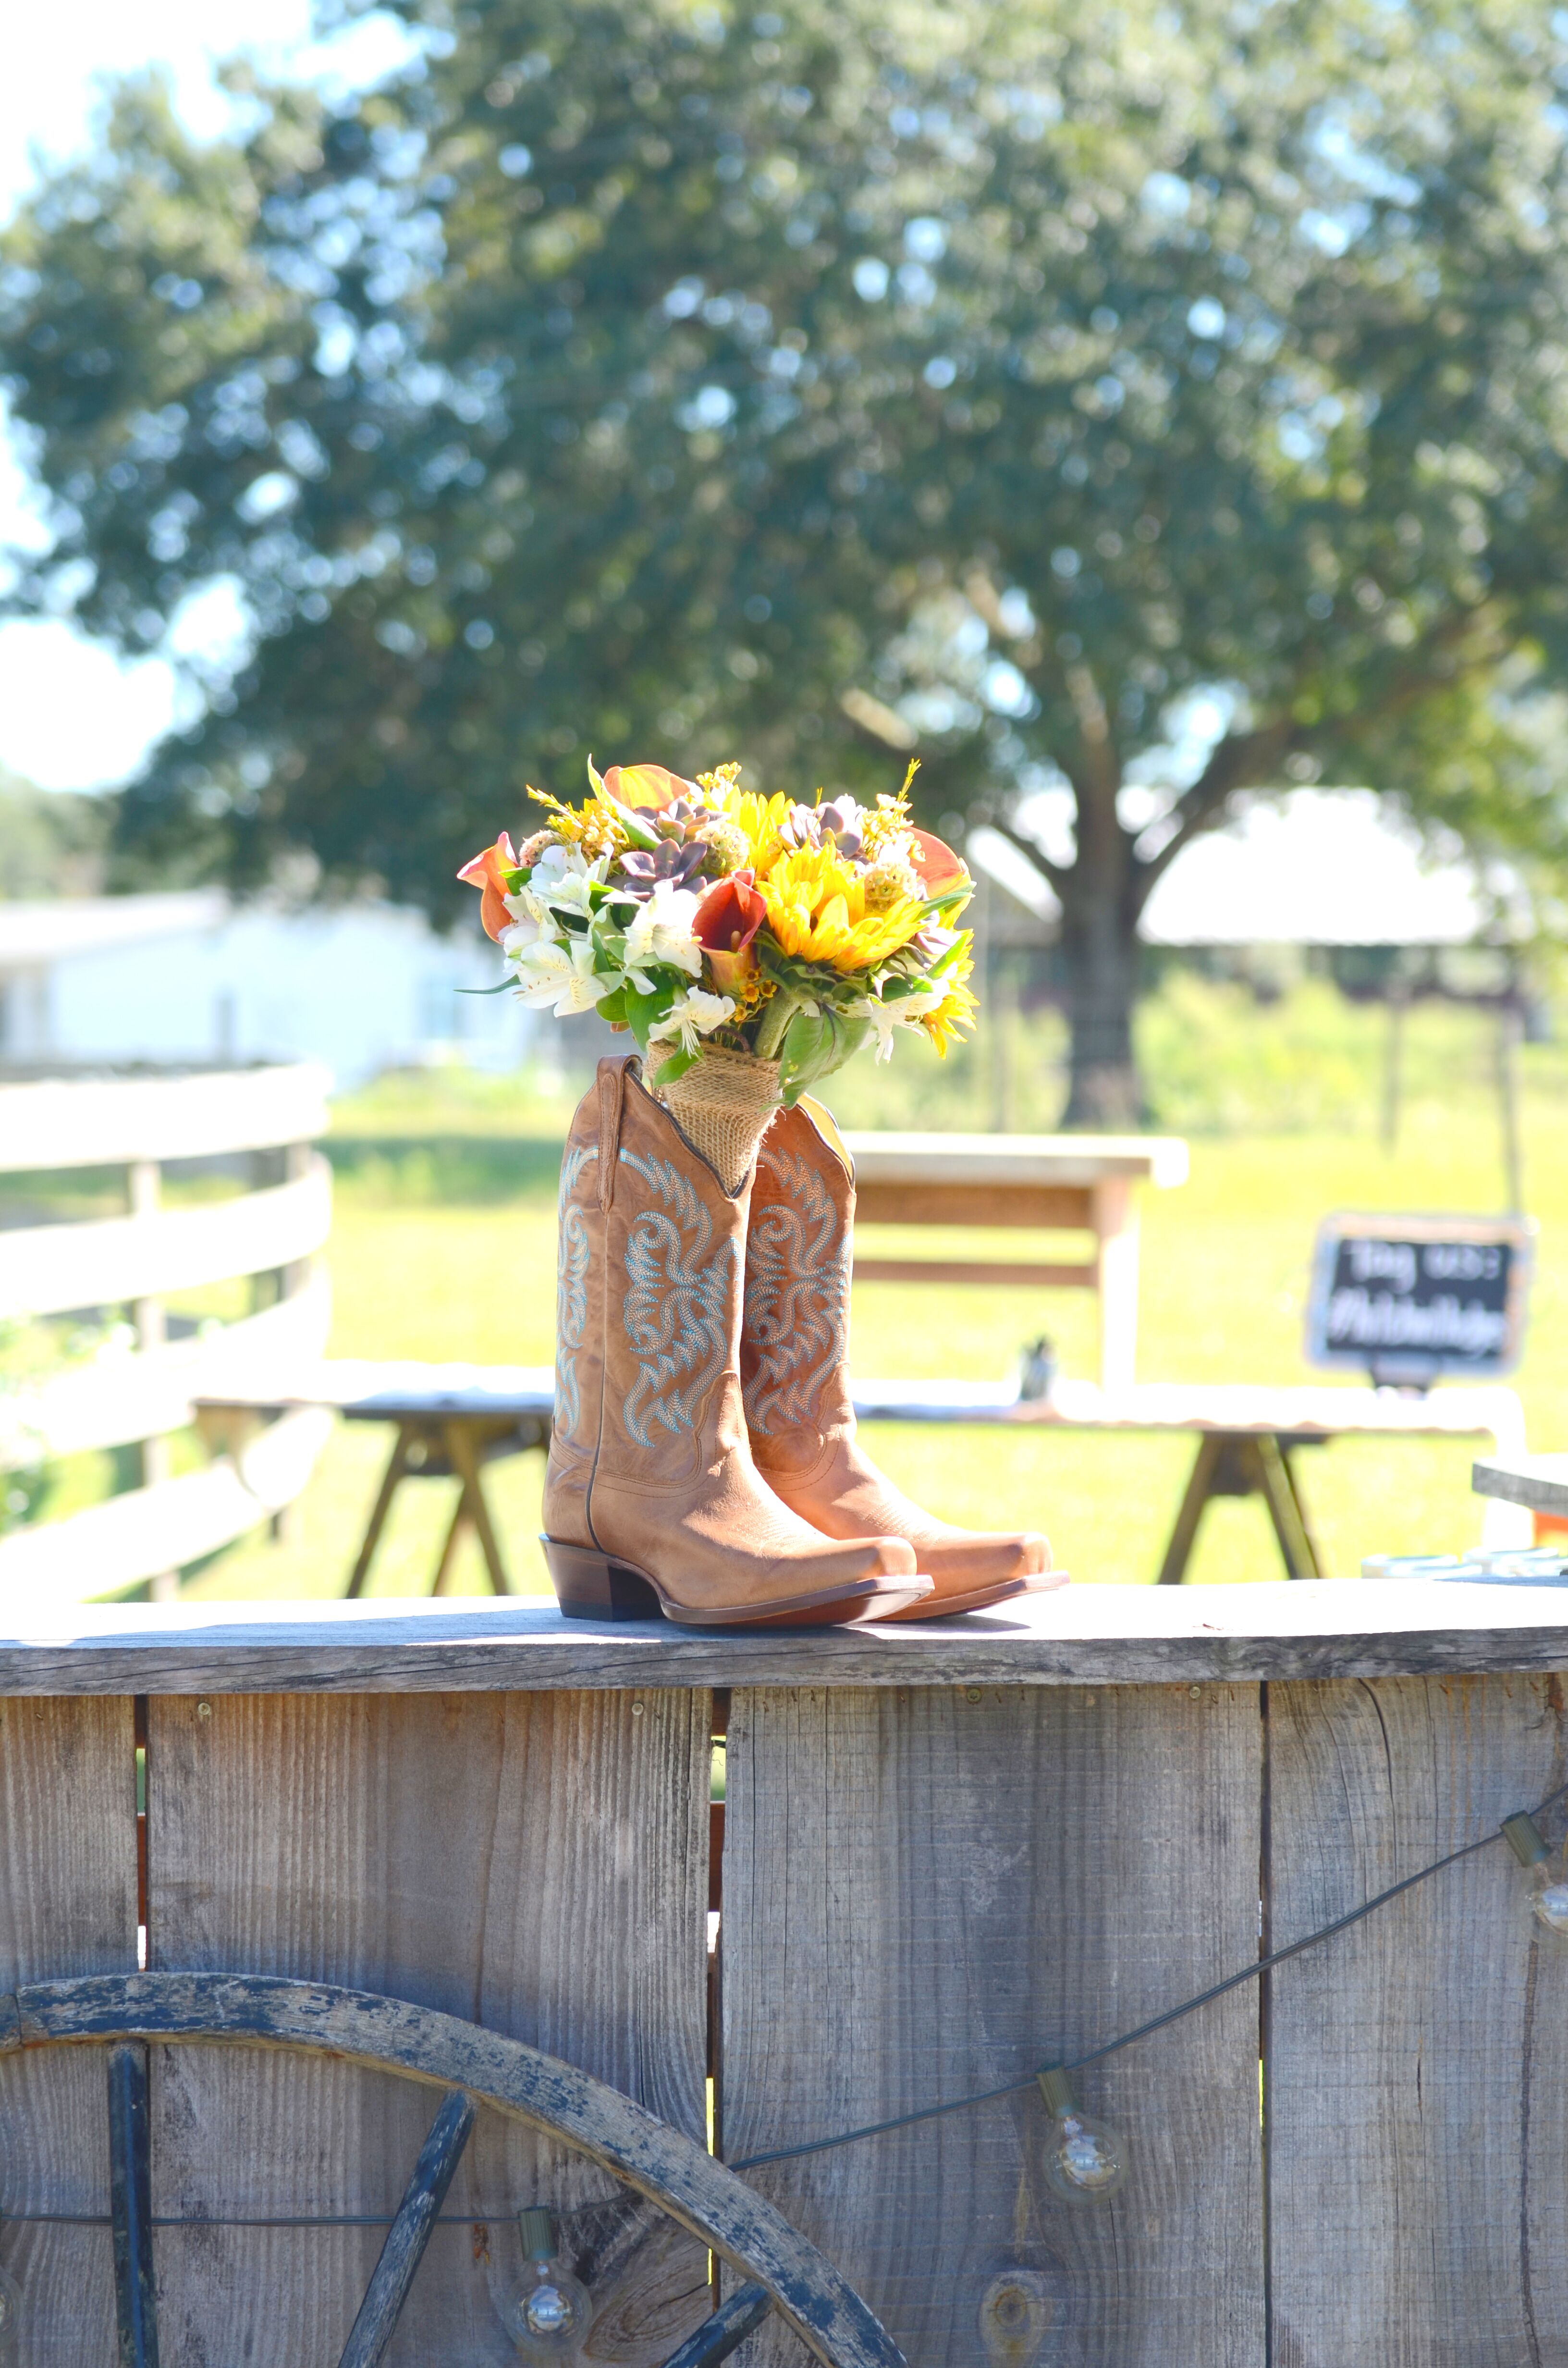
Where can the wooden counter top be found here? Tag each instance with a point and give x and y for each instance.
(1085, 1636)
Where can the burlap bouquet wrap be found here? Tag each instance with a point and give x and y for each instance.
(722, 1105)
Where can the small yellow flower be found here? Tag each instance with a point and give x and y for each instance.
(762, 819)
(816, 909)
(956, 1010)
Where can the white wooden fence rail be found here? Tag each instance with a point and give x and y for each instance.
(140, 1124)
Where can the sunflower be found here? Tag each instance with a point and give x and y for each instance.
(816, 909)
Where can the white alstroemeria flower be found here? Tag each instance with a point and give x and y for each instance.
(526, 927)
(905, 1013)
(561, 978)
(524, 903)
(572, 894)
(693, 1013)
(663, 932)
(560, 861)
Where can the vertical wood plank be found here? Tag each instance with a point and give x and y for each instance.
(534, 1863)
(929, 1893)
(1417, 2066)
(67, 1906)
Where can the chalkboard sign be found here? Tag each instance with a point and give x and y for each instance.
(1406, 1299)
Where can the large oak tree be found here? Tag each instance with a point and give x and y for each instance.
(815, 381)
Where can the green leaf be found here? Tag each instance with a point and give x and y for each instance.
(677, 1066)
(813, 1047)
(613, 1007)
(644, 1011)
(636, 829)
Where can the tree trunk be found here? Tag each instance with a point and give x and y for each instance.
(1100, 947)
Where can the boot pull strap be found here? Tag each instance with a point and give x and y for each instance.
(612, 1096)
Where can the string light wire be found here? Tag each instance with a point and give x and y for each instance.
(1248, 1973)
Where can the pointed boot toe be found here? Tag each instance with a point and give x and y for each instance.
(795, 1375)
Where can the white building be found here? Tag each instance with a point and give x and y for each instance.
(197, 977)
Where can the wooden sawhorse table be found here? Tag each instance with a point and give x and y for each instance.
(1246, 1436)
(450, 1420)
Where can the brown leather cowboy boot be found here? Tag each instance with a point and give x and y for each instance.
(795, 1371)
(652, 1501)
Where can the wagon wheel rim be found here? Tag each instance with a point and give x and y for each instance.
(415, 2042)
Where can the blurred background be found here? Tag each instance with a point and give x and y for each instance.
(1158, 425)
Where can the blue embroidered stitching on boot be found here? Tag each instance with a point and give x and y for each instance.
(571, 1290)
(676, 1308)
(796, 1293)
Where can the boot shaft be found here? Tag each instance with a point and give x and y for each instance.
(648, 1304)
(674, 1261)
(799, 1254)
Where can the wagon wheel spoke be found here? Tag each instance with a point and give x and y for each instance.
(410, 2233)
(130, 2206)
(725, 2331)
(474, 2066)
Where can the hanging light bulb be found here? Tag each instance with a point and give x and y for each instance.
(1546, 1877)
(1084, 2162)
(550, 2310)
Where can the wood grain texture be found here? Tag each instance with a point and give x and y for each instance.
(536, 1865)
(105, 1121)
(463, 2059)
(124, 1398)
(165, 1525)
(67, 1906)
(44, 1269)
(900, 1158)
(977, 1270)
(1418, 2067)
(926, 1894)
(1083, 1635)
(1047, 1205)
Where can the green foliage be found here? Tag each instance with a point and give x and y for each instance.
(658, 382)
(50, 844)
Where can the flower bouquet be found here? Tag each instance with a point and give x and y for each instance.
(718, 924)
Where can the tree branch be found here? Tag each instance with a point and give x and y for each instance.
(1059, 874)
(1243, 761)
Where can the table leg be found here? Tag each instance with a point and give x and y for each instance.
(1116, 1262)
(397, 1464)
(1199, 1489)
(465, 1463)
(454, 1531)
(1278, 1487)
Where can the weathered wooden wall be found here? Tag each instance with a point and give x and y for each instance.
(1418, 2067)
(67, 1906)
(926, 1894)
(925, 1890)
(534, 1863)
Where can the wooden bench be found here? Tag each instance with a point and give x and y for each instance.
(1247, 1437)
(1081, 1183)
(268, 1118)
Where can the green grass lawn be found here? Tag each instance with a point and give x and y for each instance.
(443, 1247)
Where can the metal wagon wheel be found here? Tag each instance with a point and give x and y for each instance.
(475, 2067)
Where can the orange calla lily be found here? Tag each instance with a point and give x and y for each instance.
(724, 925)
(487, 874)
(648, 788)
(937, 867)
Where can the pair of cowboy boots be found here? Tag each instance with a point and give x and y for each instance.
(703, 1461)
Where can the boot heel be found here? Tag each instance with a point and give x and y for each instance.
(593, 1585)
